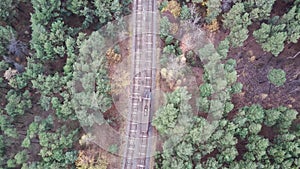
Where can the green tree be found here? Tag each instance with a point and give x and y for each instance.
(238, 35)
(291, 19)
(206, 90)
(165, 26)
(185, 13)
(6, 9)
(271, 37)
(106, 10)
(236, 16)
(254, 113)
(259, 9)
(76, 6)
(48, 84)
(228, 155)
(6, 34)
(236, 88)
(21, 157)
(254, 128)
(237, 20)
(11, 163)
(184, 150)
(26, 142)
(44, 10)
(257, 147)
(113, 148)
(32, 129)
(277, 77)
(199, 133)
(213, 10)
(17, 102)
(166, 118)
(6, 125)
(286, 118)
(90, 86)
(271, 117)
(45, 102)
(223, 48)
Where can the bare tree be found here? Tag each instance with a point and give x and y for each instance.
(17, 48)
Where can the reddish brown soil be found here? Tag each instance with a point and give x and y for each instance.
(241, 148)
(253, 75)
(268, 132)
(212, 154)
(113, 115)
(281, 7)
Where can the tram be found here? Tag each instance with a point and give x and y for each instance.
(146, 100)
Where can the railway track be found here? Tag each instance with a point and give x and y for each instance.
(138, 133)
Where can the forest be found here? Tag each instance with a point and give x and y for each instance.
(239, 109)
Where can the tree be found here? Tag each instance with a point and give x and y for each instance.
(254, 128)
(238, 35)
(230, 65)
(17, 103)
(291, 19)
(90, 86)
(206, 90)
(200, 131)
(212, 163)
(166, 118)
(271, 117)
(173, 7)
(45, 102)
(184, 150)
(176, 112)
(237, 20)
(44, 11)
(203, 104)
(107, 10)
(6, 34)
(6, 126)
(259, 9)
(26, 142)
(48, 85)
(185, 13)
(76, 6)
(277, 77)
(254, 113)
(271, 37)
(236, 16)
(54, 146)
(6, 7)
(257, 147)
(21, 157)
(11, 163)
(213, 10)
(71, 157)
(113, 148)
(286, 118)
(228, 155)
(164, 27)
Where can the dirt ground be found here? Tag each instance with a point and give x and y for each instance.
(253, 65)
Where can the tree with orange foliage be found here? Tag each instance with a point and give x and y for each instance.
(173, 7)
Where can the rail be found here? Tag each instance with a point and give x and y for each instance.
(137, 151)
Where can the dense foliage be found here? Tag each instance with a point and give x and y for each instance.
(221, 143)
(55, 79)
(273, 33)
(217, 135)
(39, 126)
